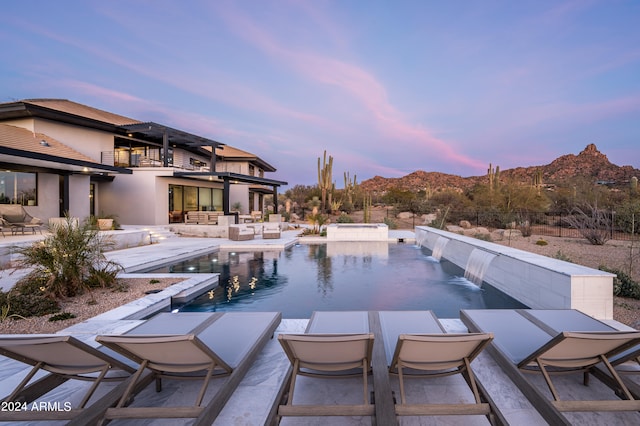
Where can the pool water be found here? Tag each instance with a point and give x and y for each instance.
(338, 276)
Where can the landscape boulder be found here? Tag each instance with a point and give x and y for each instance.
(427, 219)
(465, 224)
(478, 232)
(405, 215)
(455, 228)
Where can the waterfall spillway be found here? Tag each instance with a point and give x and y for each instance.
(421, 237)
(477, 265)
(438, 248)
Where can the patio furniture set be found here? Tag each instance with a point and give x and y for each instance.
(248, 231)
(400, 344)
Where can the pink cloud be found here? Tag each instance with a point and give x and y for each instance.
(351, 79)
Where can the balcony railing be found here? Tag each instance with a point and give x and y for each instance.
(128, 161)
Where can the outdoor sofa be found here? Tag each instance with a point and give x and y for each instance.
(241, 232)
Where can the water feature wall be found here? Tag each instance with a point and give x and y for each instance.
(539, 282)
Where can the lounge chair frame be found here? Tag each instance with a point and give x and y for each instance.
(423, 358)
(306, 354)
(199, 359)
(66, 358)
(552, 358)
(121, 344)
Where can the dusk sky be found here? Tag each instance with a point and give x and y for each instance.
(385, 87)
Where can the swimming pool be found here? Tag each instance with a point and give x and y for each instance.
(338, 276)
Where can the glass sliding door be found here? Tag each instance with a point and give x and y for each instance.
(176, 205)
(192, 198)
(204, 199)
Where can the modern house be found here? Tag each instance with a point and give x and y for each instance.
(58, 156)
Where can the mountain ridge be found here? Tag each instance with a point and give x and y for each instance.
(590, 163)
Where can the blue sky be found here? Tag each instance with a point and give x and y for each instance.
(385, 87)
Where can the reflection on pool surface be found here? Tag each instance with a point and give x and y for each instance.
(338, 276)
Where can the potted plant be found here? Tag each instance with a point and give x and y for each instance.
(236, 207)
(106, 222)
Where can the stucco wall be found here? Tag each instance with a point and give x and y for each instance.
(239, 193)
(79, 196)
(86, 141)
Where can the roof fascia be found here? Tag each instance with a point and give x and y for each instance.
(234, 177)
(62, 160)
(25, 109)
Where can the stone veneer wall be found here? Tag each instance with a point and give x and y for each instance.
(539, 282)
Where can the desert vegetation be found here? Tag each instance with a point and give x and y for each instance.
(67, 263)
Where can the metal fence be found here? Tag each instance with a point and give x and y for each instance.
(620, 226)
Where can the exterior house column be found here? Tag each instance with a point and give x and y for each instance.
(275, 199)
(165, 148)
(226, 195)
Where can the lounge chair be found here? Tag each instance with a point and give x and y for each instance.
(417, 346)
(65, 357)
(521, 345)
(223, 346)
(627, 363)
(335, 345)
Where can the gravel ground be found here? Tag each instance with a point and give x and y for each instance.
(86, 306)
(614, 254)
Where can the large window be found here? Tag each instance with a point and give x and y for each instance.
(190, 198)
(18, 188)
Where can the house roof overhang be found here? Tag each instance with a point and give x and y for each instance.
(26, 109)
(35, 160)
(232, 177)
(175, 136)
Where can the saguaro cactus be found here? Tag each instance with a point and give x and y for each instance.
(494, 177)
(537, 180)
(324, 179)
(366, 207)
(349, 187)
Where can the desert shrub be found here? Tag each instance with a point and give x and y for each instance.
(344, 218)
(30, 306)
(483, 237)
(392, 224)
(61, 316)
(594, 224)
(525, 229)
(308, 231)
(103, 275)
(561, 256)
(72, 259)
(154, 281)
(623, 284)
(541, 242)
